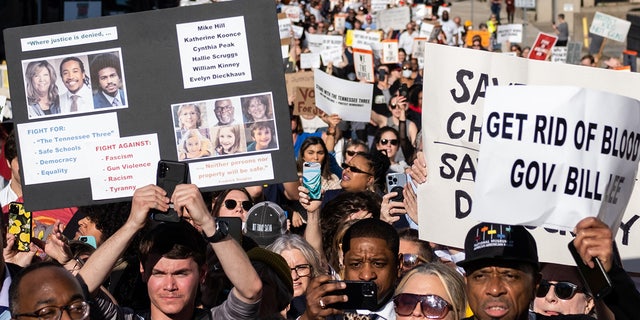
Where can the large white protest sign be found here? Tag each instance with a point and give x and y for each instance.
(350, 100)
(557, 155)
(394, 18)
(452, 122)
(510, 32)
(610, 27)
(332, 55)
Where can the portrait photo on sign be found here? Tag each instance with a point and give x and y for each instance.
(192, 132)
(79, 83)
(261, 136)
(257, 108)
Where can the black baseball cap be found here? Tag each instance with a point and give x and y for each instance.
(495, 243)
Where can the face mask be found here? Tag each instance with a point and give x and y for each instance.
(406, 73)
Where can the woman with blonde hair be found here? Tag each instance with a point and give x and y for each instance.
(433, 291)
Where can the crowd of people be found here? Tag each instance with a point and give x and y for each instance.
(274, 251)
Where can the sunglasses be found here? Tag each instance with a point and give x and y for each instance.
(354, 169)
(563, 289)
(432, 306)
(408, 260)
(231, 204)
(352, 153)
(384, 142)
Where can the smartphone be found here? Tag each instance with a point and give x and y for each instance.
(168, 176)
(312, 179)
(361, 295)
(404, 90)
(91, 240)
(596, 278)
(382, 74)
(20, 226)
(235, 227)
(395, 183)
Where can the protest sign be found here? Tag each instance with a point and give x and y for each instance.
(484, 36)
(527, 4)
(331, 55)
(194, 59)
(377, 5)
(452, 123)
(339, 22)
(350, 100)
(368, 40)
(363, 65)
(418, 45)
(426, 29)
(284, 26)
(309, 60)
(298, 79)
(610, 27)
(510, 32)
(320, 42)
(389, 51)
(293, 12)
(393, 18)
(574, 52)
(297, 31)
(556, 155)
(541, 48)
(559, 54)
(305, 102)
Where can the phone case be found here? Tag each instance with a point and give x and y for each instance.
(91, 240)
(312, 179)
(361, 295)
(20, 226)
(395, 183)
(169, 175)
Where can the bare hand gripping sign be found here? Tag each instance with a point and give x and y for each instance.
(115, 94)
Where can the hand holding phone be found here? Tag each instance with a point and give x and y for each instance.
(312, 179)
(360, 295)
(168, 176)
(20, 226)
(395, 183)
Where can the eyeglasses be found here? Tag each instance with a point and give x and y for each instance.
(302, 270)
(409, 260)
(432, 306)
(78, 310)
(352, 153)
(231, 204)
(563, 289)
(354, 169)
(384, 142)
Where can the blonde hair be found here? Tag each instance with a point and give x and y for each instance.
(452, 281)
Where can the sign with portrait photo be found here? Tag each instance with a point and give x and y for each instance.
(193, 84)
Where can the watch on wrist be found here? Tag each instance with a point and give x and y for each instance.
(222, 230)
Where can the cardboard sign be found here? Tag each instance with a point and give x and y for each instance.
(181, 60)
(521, 165)
(510, 32)
(610, 27)
(452, 122)
(389, 51)
(350, 100)
(541, 48)
(574, 52)
(305, 102)
(298, 79)
(363, 65)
